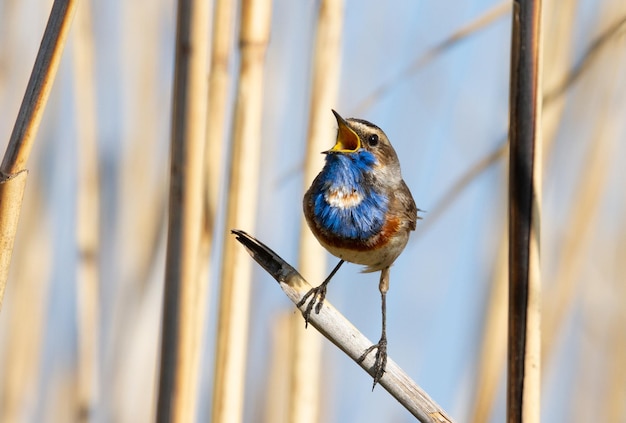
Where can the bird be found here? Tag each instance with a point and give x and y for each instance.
(360, 209)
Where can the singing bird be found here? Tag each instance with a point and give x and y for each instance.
(360, 209)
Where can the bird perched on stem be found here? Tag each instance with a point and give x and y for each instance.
(361, 210)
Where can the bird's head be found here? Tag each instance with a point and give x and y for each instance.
(360, 137)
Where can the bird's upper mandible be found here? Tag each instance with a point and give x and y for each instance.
(356, 137)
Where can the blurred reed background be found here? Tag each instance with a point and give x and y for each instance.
(80, 324)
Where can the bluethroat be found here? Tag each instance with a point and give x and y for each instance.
(361, 210)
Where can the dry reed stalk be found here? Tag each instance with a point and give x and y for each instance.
(184, 296)
(88, 220)
(493, 346)
(305, 363)
(601, 89)
(561, 295)
(330, 323)
(587, 60)
(234, 301)
(276, 397)
(8, 22)
(58, 404)
(143, 202)
(25, 311)
(524, 338)
(219, 84)
(12, 169)
(615, 404)
(587, 200)
(558, 31)
(596, 308)
(134, 240)
(11, 194)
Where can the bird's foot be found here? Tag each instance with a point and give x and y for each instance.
(381, 359)
(317, 295)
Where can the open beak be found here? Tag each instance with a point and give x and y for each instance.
(347, 140)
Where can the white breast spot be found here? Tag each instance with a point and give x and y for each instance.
(343, 197)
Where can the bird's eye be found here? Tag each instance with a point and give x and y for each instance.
(372, 140)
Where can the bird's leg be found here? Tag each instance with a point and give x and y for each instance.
(318, 293)
(381, 347)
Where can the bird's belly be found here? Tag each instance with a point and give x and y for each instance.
(375, 259)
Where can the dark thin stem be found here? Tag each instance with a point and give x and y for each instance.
(525, 119)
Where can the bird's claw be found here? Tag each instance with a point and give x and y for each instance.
(317, 294)
(380, 362)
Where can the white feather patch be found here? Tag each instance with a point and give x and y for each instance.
(343, 198)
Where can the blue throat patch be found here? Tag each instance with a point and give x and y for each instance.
(347, 172)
